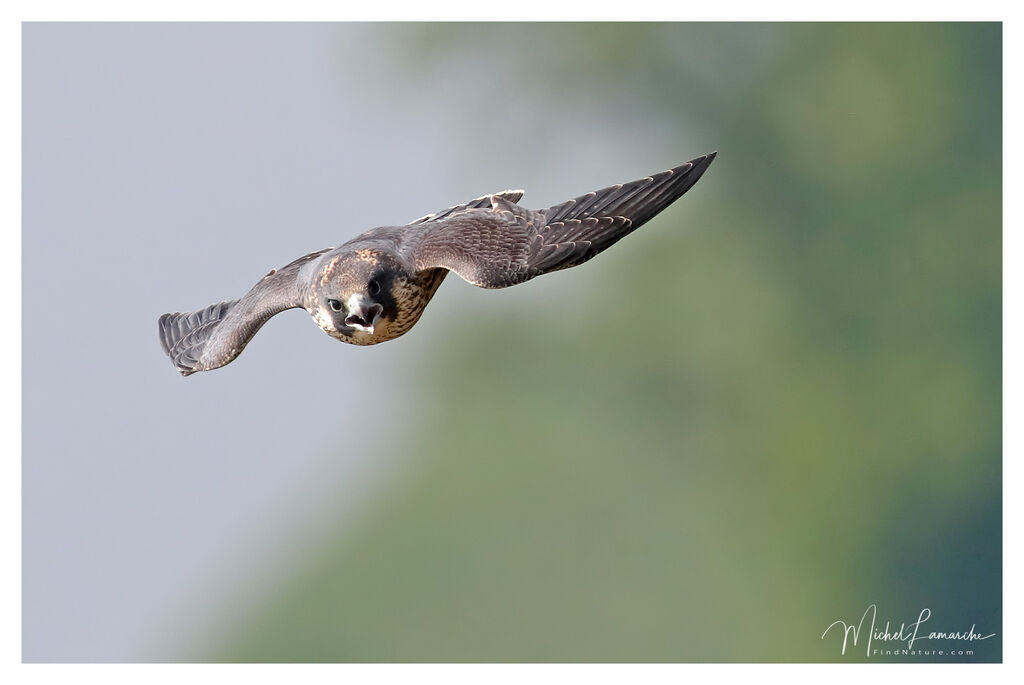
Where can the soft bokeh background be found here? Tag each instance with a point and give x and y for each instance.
(775, 405)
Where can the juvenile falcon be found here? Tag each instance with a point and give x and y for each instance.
(375, 287)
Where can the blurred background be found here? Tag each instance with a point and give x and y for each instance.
(775, 405)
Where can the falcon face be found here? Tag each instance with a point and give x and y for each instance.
(375, 287)
(353, 296)
(367, 296)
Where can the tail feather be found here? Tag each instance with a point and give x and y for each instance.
(183, 336)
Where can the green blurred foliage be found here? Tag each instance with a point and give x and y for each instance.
(781, 410)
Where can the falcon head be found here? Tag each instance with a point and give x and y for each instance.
(354, 298)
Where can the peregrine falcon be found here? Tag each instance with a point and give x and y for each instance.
(375, 287)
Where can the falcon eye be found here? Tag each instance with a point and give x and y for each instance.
(335, 305)
(373, 287)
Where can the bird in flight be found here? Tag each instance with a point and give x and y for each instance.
(375, 287)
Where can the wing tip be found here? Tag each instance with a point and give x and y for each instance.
(704, 161)
(697, 163)
(183, 335)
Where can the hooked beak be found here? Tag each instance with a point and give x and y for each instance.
(363, 315)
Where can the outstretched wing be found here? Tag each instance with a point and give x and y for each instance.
(478, 203)
(507, 244)
(214, 336)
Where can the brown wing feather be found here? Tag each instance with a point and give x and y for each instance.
(507, 244)
(486, 248)
(212, 337)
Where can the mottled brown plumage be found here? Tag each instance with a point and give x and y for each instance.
(375, 287)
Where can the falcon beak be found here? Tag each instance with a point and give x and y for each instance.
(363, 315)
